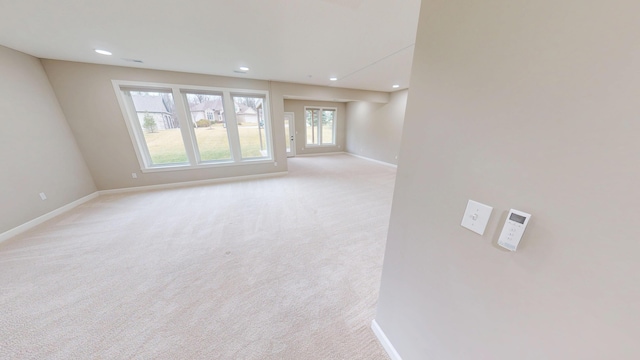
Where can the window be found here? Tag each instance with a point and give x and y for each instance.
(155, 112)
(251, 131)
(320, 125)
(211, 134)
(183, 127)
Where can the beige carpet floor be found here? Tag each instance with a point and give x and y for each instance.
(277, 268)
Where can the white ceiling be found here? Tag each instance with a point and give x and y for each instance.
(367, 44)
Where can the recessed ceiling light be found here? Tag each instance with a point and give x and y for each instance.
(133, 60)
(396, 86)
(244, 68)
(103, 52)
(333, 78)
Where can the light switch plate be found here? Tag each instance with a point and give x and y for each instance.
(476, 216)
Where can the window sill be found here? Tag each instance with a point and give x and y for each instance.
(207, 165)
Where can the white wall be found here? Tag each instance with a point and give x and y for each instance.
(374, 130)
(39, 153)
(530, 105)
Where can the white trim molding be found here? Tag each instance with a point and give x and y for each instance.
(40, 219)
(384, 341)
(373, 160)
(192, 183)
(321, 154)
(59, 211)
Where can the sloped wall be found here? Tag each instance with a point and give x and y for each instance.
(39, 152)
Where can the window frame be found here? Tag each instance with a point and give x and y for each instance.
(192, 130)
(335, 126)
(179, 94)
(267, 126)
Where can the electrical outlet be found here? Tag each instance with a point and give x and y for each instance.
(43, 196)
(275, 163)
(134, 175)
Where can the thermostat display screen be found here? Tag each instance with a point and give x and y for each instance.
(517, 218)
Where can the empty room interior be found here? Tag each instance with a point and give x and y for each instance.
(324, 179)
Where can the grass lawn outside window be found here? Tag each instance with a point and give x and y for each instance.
(166, 146)
(177, 127)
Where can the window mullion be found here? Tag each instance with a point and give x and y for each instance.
(137, 131)
(183, 120)
(232, 126)
(190, 128)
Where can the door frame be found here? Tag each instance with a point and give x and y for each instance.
(292, 133)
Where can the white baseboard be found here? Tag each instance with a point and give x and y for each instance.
(50, 215)
(39, 220)
(384, 341)
(374, 160)
(321, 154)
(191, 183)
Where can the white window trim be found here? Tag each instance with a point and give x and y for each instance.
(182, 112)
(335, 127)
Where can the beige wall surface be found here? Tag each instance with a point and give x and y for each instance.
(87, 97)
(297, 107)
(39, 153)
(374, 130)
(281, 91)
(325, 93)
(89, 102)
(525, 105)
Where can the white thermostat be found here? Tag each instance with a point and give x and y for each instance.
(513, 229)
